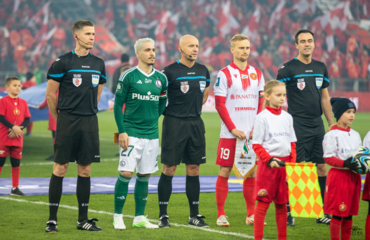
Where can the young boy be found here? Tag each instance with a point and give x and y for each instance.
(14, 116)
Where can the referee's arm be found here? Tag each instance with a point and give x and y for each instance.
(326, 106)
(205, 95)
(100, 90)
(51, 97)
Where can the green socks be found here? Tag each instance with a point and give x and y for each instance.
(141, 194)
(120, 193)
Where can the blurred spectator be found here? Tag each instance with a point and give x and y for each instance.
(30, 82)
(125, 59)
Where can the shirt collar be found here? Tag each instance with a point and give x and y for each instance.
(275, 111)
(232, 64)
(335, 127)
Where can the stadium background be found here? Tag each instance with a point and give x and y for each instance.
(34, 32)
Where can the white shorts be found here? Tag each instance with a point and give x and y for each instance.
(141, 154)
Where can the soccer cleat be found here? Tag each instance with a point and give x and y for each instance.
(16, 192)
(197, 221)
(118, 222)
(143, 222)
(222, 221)
(163, 222)
(326, 219)
(89, 225)
(290, 220)
(51, 158)
(51, 226)
(250, 221)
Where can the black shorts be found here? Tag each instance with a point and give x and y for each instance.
(77, 139)
(183, 141)
(310, 134)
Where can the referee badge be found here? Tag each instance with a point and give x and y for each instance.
(301, 84)
(202, 85)
(319, 82)
(158, 83)
(95, 80)
(77, 80)
(184, 87)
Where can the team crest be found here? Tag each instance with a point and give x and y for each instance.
(95, 80)
(301, 83)
(319, 82)
(77, 80)
(122, 163)
(342, 207)
(235, 75)
(253, 76)
(184, 87)
(16, 112)
(202, 85)
(158, 83)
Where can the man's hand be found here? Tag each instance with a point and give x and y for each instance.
(17, 130)
(123, 141)
(238, 134)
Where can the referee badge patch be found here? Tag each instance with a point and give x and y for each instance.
(202, 85)
(319, 82)
(95, 80)
(184, 87)
(77, 80)
(301, 84)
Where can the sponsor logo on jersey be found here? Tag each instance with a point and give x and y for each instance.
(148, 80)
(139, 82)
(190, 73)
(158, 83)
(148, 97)
(77, 80)
(95, 79)
(202, 85)
(85, 66)
(237, 109)
(243, 96)
(280, 134)
(217, 84)
(301, 83)
(308, 71)
(253, 76)
(244, 76)
(184, 87)
(319, 82)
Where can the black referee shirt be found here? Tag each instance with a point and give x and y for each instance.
(185, 89)
(304, 83)
(79, 78)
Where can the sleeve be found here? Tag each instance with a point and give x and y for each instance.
(293, 152)
(115, 79)
(26, 122)
(259, 131)
(261, 153)
(57, 70)
(325, 82)
(367, 140)
(163, 96)
(103, 76)
(283, 74)
(27, 114)
(2, 107)
(208, 78)
(121, 94)
(222, 111)
(166, 72)
(330, 148)
(220, 88)
(5, 122)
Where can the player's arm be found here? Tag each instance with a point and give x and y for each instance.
(121, 94)
(326, 106)
(51, 97)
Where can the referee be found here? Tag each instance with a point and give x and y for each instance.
(308, 97)
(183, 130)
(79, 76)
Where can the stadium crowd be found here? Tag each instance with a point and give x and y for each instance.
(33, 33)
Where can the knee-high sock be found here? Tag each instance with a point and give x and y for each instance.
(248, 193)
(15, 176)
(164, 193)
(2, 162)
(222, 188)
(322, 183)
(141, 194)
(281, 216)
(367, 227)
(335, 227)
(192, 192)
(83, 197)
(346, 229)
(120, 193)
(259, 219)
(55, 193)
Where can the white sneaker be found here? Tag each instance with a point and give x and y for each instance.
(142, 222)
(222, 221)
(250, 221)
(118, 222)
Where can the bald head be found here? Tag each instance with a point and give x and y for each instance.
(189, 46)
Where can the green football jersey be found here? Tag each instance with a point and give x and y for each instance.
(141, 93)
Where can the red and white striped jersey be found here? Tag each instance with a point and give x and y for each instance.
(241, 89)
(339, 143)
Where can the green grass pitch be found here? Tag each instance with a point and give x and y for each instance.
(26, 218)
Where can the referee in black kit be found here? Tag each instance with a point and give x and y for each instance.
(79, 76)
(183, 129)
(308, 97)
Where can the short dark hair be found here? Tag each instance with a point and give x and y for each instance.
(303, 31)
(80, 24)
(10, 79)
(125, 58)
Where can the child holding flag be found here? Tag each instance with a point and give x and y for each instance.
(338, 143)
(366, 193)
(274, 144)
